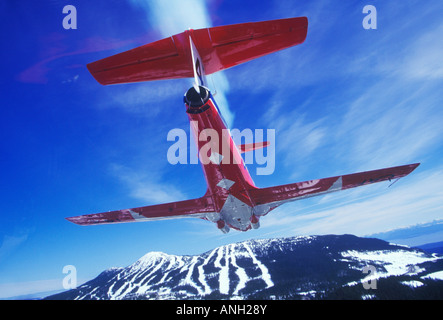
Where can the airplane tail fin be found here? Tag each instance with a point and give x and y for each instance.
(218, 48)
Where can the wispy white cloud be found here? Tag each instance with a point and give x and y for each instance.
(144, 99)
(382, 107)
(9, 290)
(33, 289)
(388, 127)
(423, 61)
(149, 99)
(420, 233)
(385, 110)
(176, 16)
(146, 185)
(10, 243)
(299, 138)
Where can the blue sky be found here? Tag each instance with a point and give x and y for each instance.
(346, 100)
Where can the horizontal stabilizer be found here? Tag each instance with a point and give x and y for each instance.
(219, 48)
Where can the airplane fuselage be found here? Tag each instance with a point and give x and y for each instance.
(231, 200)
(227, 177)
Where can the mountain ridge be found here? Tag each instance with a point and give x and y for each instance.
(307, 267)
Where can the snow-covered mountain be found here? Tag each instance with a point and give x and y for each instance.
(314, 267)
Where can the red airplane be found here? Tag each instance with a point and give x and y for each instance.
(232, 200)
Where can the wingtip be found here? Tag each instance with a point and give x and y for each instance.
(74, 220)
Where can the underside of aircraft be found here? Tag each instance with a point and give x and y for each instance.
(232, 200)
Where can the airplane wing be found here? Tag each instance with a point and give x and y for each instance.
(274, 196)
(197, 208)
(219, 48)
